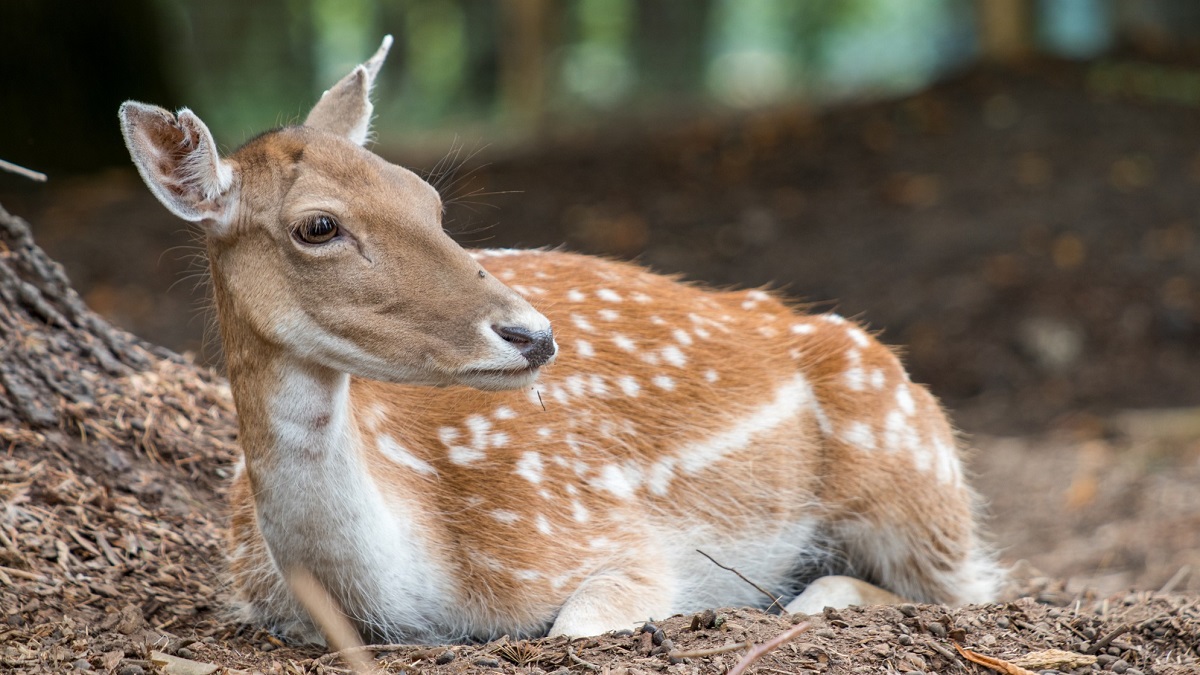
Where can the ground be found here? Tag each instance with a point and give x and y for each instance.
(1028, 237)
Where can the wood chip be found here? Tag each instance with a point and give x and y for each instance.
(173, 665)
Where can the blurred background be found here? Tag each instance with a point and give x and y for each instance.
(1007, 190)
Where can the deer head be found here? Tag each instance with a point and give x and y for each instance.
(321, 248)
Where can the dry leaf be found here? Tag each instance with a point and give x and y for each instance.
(998, 665)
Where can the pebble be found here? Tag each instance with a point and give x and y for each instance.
(1105, 659)
(1133, 671)
(185, 653)
(624, 632)
(131, 669)
(658, 636)
(824, 633)
(486, 663)
(905, 640)
(81, 664)
(1119, 666)
(266, 647)
(907, 609)
(1003, 622)
(937, 629)
(445, 657)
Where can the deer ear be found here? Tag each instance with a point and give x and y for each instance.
(178, 159)
(345, 109)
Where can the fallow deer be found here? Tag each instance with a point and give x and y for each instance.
(451, 463)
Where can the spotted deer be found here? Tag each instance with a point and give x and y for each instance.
(451, 463)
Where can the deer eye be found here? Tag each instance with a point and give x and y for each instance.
(316, 230)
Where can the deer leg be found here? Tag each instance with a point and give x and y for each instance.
(612, 601)
(838, 592)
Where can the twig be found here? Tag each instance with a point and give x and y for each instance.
(325, 659)
(1175, 579)
(774, 600)
(768, 646)
(578, 661)
(325, 612)
(22, 171)
(701, 653)
(1107, 639)
(941, 650)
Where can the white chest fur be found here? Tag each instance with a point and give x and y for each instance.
(318, 507)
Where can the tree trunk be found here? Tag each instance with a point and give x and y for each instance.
(64, 369)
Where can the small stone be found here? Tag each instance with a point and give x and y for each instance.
(881, 650)
(486, 663)
(1134, 671)
(81, 664)
(936, 629)
(445, 657)
(1115, 651)
(648, 627)
(907, 609)
(658, 636)
(1105, 659)
(131, 669)
(824, 633)
(266, 647)
(1119, 666)
(624, 632)
(1003, 622)
(185, 653)
(905, 640)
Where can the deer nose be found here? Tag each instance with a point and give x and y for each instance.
(536, 346)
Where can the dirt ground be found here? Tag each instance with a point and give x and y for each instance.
(1029, 237)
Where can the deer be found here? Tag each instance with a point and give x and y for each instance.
(464, 444)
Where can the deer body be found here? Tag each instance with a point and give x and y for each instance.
(570, 484)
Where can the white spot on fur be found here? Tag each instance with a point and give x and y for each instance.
(620, 481)
(642, 298)
(505, 517)
(526, 575)
(530, 467)
(543, 525)
(701, 333)
(802, 328)
(545, 432)
(608, 295)
(624, 343)
(878, 379)
(681, 336)
(860, 435)
(629, 385)
(504, 413)
(579, 512)
(575, 296)
(833, 319)
(582, 323)
(855, 377)
(672, 355)
(657, 320)
(858, 336)
(904, 399)
(661, 473)
(663, 382)
(783, 409)
(585, 348)
(400, 455)
(609, 314)
(711, 376)
(597, 386)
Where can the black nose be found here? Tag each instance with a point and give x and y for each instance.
(536, 346)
